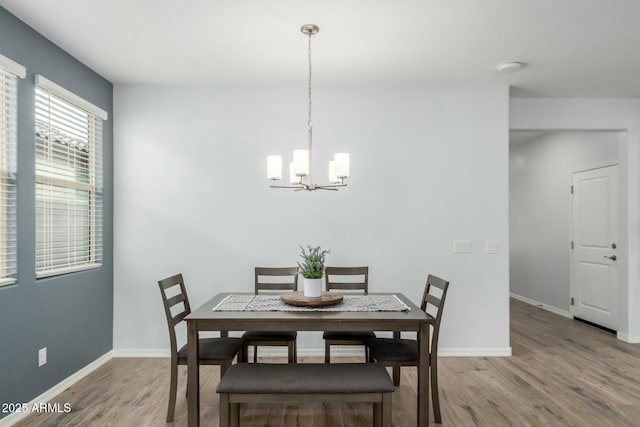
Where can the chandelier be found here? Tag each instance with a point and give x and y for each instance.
(300, 168)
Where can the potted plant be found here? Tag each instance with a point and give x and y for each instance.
(312, 270)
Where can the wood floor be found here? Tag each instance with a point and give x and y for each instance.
(562, 373)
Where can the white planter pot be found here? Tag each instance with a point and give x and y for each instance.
(313, 288)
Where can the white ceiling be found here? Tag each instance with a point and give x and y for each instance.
(586, 48)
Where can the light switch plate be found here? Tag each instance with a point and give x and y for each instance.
(462, 246)
(491, 247)
(42, 356)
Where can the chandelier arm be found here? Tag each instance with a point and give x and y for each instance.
(330, 186)
(287, 186)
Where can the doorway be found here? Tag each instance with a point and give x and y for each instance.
(541, 170)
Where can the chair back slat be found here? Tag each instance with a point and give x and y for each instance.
(176, 299)
(287, 279)
(277, 286)
(333, 284)
(433, 300)
(169, 302)
(178, 318)
(434, 282)
(276, 271)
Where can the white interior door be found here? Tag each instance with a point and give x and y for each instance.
(594, 271)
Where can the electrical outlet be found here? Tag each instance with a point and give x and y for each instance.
(491, 246)
(42, 356)
(462, 246)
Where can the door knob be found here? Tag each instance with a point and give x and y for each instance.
(612, 257)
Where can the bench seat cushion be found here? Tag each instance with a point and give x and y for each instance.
(305, 378)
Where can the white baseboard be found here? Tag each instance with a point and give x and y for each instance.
(543, 306)
(141, 352)
(57, 389)
(631, 339)
(474, 352)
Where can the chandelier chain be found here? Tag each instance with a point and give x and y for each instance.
(309, 123)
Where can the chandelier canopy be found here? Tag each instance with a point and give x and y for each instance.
(300, 168)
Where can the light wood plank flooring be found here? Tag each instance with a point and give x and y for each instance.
(562, 373)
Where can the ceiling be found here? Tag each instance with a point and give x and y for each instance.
(573, 48)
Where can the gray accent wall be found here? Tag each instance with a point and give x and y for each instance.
(72, 314)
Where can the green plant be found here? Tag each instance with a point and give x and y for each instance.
(312, 266)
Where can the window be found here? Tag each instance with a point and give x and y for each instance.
(68, 181)
(9, 73)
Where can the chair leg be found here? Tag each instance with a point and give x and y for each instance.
(255, 354)
(396, 376)
(240, 356)
(295, 351)
(435, 398)
(234, 412)
(224, 366)
(377, 414)
(386, 409)
(224, 410)
(245, 353)
(291, 352)
(327, 352)
(173, 389)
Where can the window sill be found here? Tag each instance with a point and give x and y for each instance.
(61, 271)
(8, 281)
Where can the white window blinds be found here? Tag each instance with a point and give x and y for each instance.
(68, 181)
(9, 72)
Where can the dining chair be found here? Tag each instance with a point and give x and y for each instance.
(357, 279)
(397, 352)
(283, 279)
(212, 351)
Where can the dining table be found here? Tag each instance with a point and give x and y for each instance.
(211, 316)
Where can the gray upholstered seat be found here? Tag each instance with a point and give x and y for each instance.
(214, 349)
(393, 350)
(305, 379)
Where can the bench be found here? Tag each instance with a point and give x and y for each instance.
(305, 382)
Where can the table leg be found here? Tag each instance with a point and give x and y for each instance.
(423, 376)
(193, 374)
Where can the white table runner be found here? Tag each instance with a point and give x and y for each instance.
(244, 302)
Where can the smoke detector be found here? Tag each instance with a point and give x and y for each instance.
(510, 67)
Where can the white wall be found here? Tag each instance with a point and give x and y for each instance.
(540, 172)
(429, 165)
(602, 114)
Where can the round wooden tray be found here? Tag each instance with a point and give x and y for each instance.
(298, 298)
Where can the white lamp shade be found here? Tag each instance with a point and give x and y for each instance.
(332, 172)
(274, 167)
(301, 162)
(342, 165)
(293, 178)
